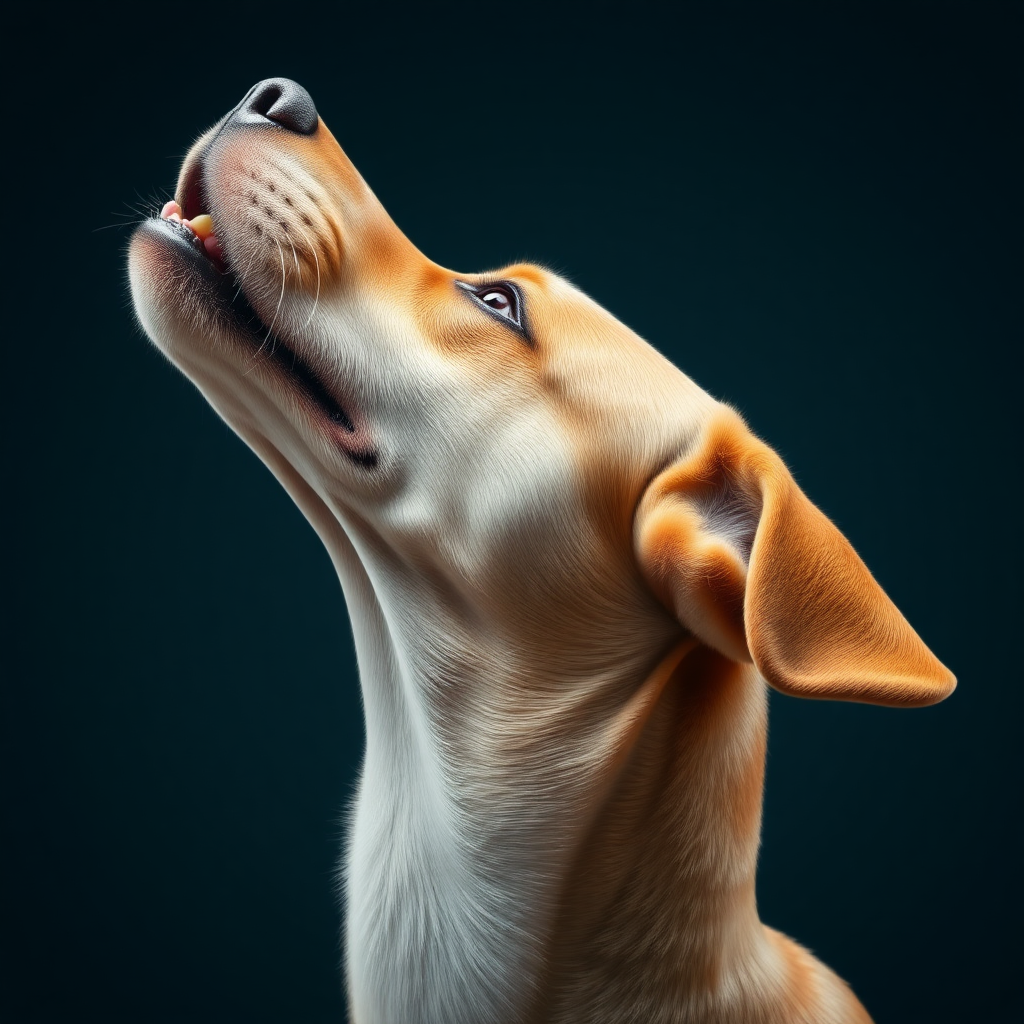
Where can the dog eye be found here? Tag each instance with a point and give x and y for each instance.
(502, 299)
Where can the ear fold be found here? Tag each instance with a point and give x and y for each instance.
(736, 550)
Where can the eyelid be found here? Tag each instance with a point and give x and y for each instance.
(477, 291)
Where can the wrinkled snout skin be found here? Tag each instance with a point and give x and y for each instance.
(569, 571)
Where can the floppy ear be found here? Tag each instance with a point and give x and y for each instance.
(735, 549)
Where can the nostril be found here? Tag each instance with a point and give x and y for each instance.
(282, 102)
(263, 101)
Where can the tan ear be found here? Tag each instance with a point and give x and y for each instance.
(735, 549)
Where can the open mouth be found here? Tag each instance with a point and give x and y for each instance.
(193, 233)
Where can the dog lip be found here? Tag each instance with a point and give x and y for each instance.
(182, 239)
(190, 237)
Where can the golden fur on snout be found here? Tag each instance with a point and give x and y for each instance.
(570, 573)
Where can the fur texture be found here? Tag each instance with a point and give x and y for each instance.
(569, 573)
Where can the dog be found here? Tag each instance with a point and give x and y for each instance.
(570, 574)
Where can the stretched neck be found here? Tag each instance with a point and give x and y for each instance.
(658, 907)
(521, 851)
(576, 838)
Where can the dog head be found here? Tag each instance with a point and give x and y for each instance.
(497, 442)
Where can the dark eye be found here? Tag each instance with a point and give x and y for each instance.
(502, 299)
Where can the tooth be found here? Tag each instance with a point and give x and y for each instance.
(202, 225)
(170, 208)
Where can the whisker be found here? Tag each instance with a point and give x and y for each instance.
(280, 298)
(144, 209)
(239, 277)
(147, 203)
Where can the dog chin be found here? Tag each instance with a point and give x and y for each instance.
(201, 319)
(179, 292)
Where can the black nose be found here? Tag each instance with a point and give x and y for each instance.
(281, 101)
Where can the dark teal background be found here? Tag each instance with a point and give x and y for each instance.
(816, 211)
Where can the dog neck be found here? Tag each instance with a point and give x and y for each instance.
(658, 908)
(518, 848)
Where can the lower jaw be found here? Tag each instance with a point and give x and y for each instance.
(218, 289)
